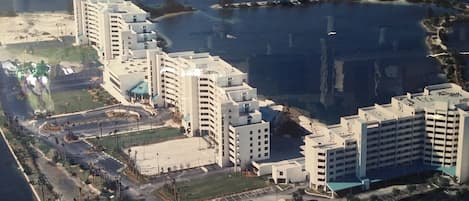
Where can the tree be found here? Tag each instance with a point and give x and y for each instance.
(351, 197)
(42, 180)
(225, 3)
(411, 188)
(374, 198)
(297, 196)
(396, 191)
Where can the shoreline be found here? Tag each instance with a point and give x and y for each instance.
(20, 167)
(156, 19)
(439, 50)
(292, 3)
(168, 42)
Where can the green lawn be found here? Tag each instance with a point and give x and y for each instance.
(76, 100)
(137, 138)
(56, 53)
(43, 147)
(215, 186)
(43, 102)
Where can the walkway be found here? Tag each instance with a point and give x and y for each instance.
(446, 53)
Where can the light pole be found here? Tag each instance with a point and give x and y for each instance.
(151, 121)
(157, 162)
(138, 121)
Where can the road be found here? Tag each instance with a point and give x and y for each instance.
(88, 124)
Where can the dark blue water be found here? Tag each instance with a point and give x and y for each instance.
(378, 51)
(458, 40)
(13, 186)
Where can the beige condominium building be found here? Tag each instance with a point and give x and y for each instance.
(114, 28)
(211, 96)
(414, 133)
(214, 100)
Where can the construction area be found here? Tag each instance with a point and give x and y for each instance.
(172, 155)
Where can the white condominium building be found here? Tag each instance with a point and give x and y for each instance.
(214, 100)
(414, 133)
(115, 28)
(212, 97)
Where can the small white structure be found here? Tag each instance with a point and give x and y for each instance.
(283, 172)
(9, 68)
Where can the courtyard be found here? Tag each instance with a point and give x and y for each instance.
(173, 155)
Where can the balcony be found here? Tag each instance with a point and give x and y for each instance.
(142, 37)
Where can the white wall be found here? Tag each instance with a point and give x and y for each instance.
(462, 165)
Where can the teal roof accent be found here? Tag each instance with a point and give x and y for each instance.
(342, 185)
(154, 98)
(451, 170)
(140, 89)
(187, 118)
(388, 173)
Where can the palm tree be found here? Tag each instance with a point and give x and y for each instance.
(42, 180)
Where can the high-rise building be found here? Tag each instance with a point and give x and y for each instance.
(212, 97)
(214, 100)
(115, 28)
(414, 133)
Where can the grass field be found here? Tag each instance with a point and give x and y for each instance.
(76, 100)
(43, 102)
(57, 53)
(215, 186)
(136, 138)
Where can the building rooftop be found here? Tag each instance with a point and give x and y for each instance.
(329, 137)
(119, 67)
(208, 64)
(118, 6)
(436, 95)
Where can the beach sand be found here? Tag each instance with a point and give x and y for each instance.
(33, 27)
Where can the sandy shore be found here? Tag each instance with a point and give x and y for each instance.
(395, 2)
(171, 15)
(32, 27)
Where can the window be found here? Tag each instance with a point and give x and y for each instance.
(266, 142)
(266, 130)
(266, 148)
(250, 151)
(266, 154)
(280, 173)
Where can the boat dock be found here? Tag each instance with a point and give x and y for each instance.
(273, 3)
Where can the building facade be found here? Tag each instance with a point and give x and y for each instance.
(212, 97)
(115, 28)
(414, 133)
(214, 100)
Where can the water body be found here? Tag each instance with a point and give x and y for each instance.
(458, 40)
(378, 51)
(13, 186)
